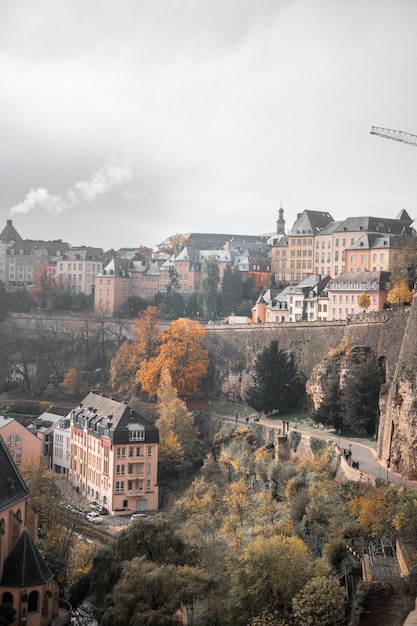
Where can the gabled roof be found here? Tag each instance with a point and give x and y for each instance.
(9, 234)
(373, 240)
(361, 277)
(311, 223)
(12, 485)
(24, 566)
(100, 414)
(374, 225)
(403, 215)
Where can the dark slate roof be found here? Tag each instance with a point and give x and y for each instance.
(102, 415)
(29, 245)
(374, 225)
(12, 485)
(403, 215)
(9, 233)
(361, 277)
(311, 223)
(213, 241)
(24, 566)
(373, 240)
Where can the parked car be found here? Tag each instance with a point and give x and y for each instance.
(95, 518)
(137, 515)
(103, 511)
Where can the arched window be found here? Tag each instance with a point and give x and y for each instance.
(7, 598)
(33, 602)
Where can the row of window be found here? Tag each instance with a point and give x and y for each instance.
(120, 486)
(121, 452)
(133, 468)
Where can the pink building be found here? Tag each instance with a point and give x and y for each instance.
(23, 445)
(27, 583)
(344, 291)
(114, 455)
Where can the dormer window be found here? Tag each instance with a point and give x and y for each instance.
(20, 251)
(12, 251)
(136, 432)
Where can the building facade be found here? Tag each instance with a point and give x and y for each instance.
(26, 582)
(114, 455)
(23, 445)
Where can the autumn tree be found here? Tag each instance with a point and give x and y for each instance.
(178, 436)
(150, 594)
(364, 301)
(267, 574)
(277, 383)
(371, 511)
(127, 360)
(73, 383)
(400, 293)
(181, 351)
(321, 602)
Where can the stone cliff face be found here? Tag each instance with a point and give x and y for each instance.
(392, 338)
(397, 436)
(334, 369)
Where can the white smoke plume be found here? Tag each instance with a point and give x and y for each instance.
(102, 182)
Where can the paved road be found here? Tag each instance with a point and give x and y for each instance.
(362, 454)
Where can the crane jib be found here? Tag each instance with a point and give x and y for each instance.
(396, 135)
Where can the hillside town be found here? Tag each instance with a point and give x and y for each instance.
(110, 467)
(314, 270)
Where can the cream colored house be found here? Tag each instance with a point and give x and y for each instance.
(114, 455)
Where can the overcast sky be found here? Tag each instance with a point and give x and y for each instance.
(125, 122)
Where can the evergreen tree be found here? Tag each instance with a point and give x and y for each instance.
(277, 382)
(361, 397)
(232, 289)
(209, 285)
(330, 411)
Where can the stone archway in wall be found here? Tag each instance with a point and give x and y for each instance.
(382, 364)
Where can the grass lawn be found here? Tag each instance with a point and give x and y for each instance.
(220, 406)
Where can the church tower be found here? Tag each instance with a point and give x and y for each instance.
(281, 222)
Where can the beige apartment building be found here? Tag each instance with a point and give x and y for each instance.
(331, 244)
(77, 268)
(344, 290)
(292, 257)
(114, 455)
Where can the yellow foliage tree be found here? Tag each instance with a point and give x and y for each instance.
(371, 511)
(400, 293)
(181, 351)
(175, 423)
(364, 301)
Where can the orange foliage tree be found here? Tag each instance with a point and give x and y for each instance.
(371, 511)
(128, 358)
(181, 351)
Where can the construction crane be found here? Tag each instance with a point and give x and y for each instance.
(396, 135)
